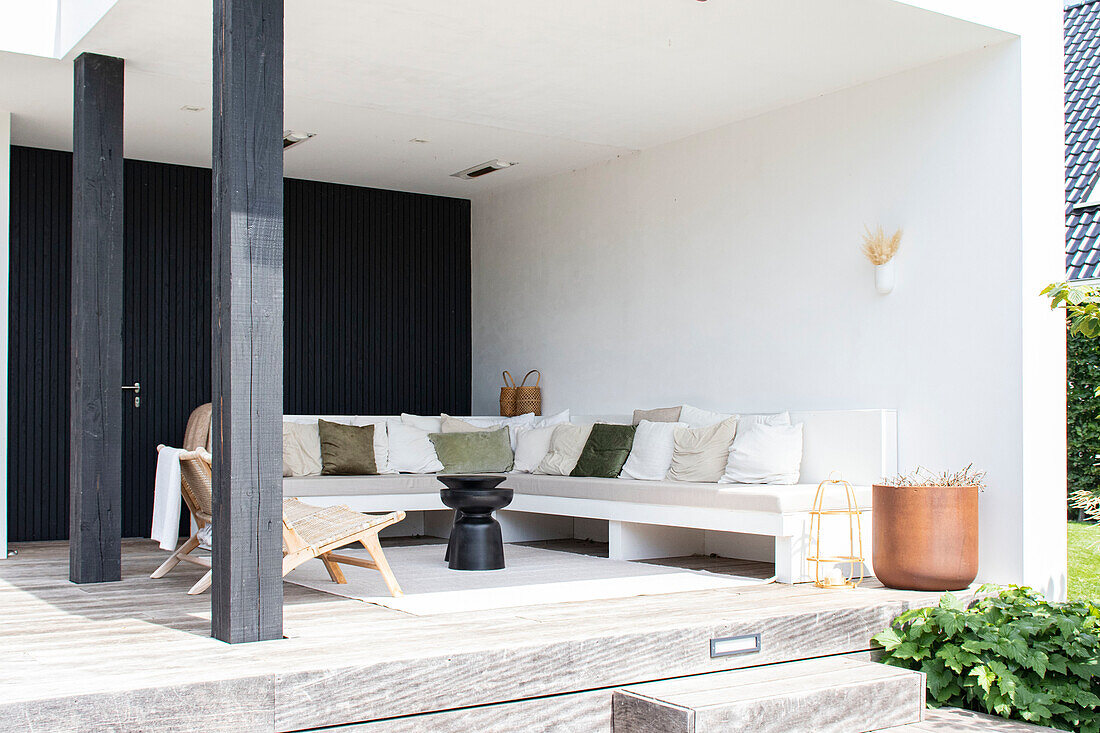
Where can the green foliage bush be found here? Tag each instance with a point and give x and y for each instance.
(1012, 654)
(1083, 411)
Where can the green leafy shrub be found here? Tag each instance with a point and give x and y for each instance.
(1012, 654)
(1083, 412)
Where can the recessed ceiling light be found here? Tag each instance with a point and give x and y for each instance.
(477, 171)
(191, 108)
(420, 140)
(291, 137)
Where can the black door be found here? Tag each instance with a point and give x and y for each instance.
(166, 321)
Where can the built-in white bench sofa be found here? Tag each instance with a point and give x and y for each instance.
(648, 519)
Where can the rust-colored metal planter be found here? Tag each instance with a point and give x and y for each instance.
(925, 537)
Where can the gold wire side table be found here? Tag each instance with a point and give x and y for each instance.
(854, 558)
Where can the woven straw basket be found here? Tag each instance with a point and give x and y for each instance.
(529, 398)
(508, 396)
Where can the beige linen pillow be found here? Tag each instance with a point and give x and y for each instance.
(454, 425)
(701, 454)
(301, 449)
(660, 414)
(566, 445)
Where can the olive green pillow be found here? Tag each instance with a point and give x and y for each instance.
(346, 450)
(481, 452)
(606, 451)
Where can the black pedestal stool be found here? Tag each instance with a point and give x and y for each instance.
(475, 542)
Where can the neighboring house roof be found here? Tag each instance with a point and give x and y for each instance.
(1082, 66)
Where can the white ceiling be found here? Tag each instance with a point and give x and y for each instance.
(551, 85)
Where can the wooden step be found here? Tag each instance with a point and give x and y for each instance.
(954, 720)
(831, 694)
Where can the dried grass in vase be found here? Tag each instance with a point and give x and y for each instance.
(880, 248)
(923, 477)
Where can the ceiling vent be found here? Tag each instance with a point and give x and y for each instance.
(292, 138)
(482, 169)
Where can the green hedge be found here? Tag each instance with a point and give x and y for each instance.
(1013, 654)
(1083, 412)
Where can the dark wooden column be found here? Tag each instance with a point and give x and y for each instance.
(95, 433)
(247, 598)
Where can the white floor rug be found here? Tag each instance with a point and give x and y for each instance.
(533, 576)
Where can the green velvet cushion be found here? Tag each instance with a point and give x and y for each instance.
(605, 452)
(346, 450)
(481, 452)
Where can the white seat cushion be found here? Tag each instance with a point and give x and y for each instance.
(394, 483)
(733, 497)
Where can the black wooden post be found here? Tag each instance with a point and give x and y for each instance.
(247, 597)
(95, 430)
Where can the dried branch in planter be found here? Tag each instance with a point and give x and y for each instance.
(880, 248)
(923, 477)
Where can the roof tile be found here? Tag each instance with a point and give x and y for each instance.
(1082, 130)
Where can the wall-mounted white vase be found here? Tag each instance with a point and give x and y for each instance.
(884, 277)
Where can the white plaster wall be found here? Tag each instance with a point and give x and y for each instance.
(724, 270)
(1043, 538)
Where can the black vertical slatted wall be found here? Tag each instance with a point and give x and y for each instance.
(377, 317)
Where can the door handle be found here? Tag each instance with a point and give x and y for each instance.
(136, 389)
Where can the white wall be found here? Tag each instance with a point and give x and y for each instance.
(724, 270)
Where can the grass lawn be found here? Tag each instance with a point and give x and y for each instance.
(1084, 561)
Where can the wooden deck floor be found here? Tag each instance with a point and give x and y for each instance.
(136, 654)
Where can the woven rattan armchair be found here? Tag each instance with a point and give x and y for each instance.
(308, 531)
(197, 490)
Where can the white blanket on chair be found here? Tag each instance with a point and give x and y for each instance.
(166, 499)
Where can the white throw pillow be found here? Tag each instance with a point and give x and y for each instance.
(566, 445)
(493, 421)
(651, 454)
(698, 418)
(426, 423)
(765, 454)
(450, 424)
(775, 418)
(381, 442)
(545, 422)
(532, 445)
(301, 449)
(411, 451)
(490, 423)
(695, 417)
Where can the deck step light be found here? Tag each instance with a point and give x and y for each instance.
(732, 645)
(481, 169)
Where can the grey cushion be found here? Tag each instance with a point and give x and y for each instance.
(659, 414)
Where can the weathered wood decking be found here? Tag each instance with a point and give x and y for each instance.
(137, 653)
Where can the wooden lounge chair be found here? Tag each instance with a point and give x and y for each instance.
(308, 531)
